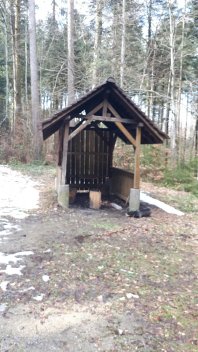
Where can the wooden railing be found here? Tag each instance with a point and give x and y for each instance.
(120, 182)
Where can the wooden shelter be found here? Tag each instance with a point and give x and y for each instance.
(86, 150)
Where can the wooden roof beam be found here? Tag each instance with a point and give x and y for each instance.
(94, 110)
(109, 119)
(83, 125)
(126, 133)
(143, 119)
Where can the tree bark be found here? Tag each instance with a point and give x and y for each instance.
(15, 7)
(173, 121)
(179, 95)
(123, 44)
(36, 121)
(97, 43)
(70, 33)
(7, 117)
(54, 11)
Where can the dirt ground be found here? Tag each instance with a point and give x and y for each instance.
(99, 280)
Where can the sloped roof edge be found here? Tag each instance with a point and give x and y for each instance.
(52, 124)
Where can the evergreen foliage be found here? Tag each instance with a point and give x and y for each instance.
(147, 60)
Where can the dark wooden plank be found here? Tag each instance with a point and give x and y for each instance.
(64, 157)
(96, 166)
(73, 162)
(107, 151)
(83, 153)
(101, 151)
(92, 153)
(78, 171)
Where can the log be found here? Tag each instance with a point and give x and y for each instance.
(95, 199)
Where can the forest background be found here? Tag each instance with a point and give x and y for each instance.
(150, 48)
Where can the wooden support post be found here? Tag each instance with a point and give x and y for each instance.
(62, 188)
(137, 158)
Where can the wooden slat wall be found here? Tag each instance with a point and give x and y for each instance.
(88, 159)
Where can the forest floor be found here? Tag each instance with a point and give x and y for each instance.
(85, 280)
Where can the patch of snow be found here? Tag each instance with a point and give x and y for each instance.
(100, 298)
(116, 206)
(122, 299)
(39, 298)
(3, 307)
(45, 278)
(47, 251)
(126, 271)
(3, 285)
(7, 258)
(167, 208)
(6, 227)
(18, 193)
(13, 258)
(13, 271)
(25, 253)
(32, 288)
(131, 295)
(120, 332)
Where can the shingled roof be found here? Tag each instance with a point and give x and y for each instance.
(123, 105)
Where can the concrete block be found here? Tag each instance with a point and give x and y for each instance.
(58, 178)
(134, 199)
(63, 196)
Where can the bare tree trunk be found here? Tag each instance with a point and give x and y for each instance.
(151, 79)
(7, 117)
(150, 60)
(180, 85)
(173, 121)
(16, 38)
(123, 44)
(196, 148)
(149, 9)
(54, 11)
(97, 42)
(36, 122)
(196, 137)
(12, 26)
(185, 133)
(26, 65)
(18, 107)
(70, 73)
(167, 109)
(114, 35)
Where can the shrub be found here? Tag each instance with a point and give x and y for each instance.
(182, 177)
